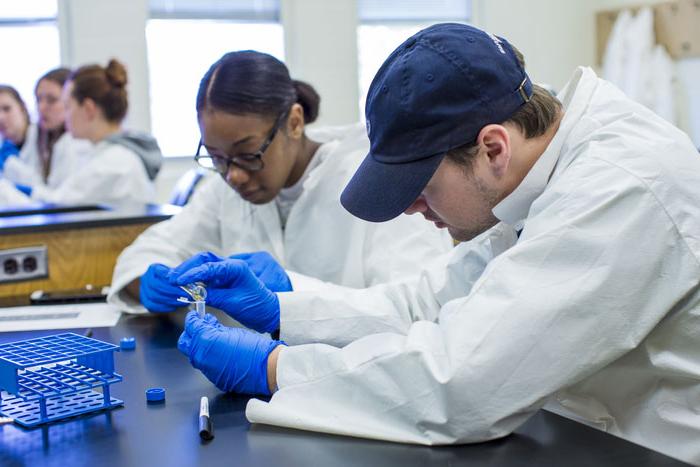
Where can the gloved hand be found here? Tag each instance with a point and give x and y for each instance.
(234, 359)
(267, 269)
(233, 288)
(26, 189)
(157, 294)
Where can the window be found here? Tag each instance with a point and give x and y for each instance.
(385, 25)
(184, 38)
(31, 26)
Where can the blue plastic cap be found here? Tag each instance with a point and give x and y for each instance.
(127, 343)
(155, 394)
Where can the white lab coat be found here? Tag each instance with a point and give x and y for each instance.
(594, 309)
(639, 41)
(642, 70)
(69, 154)
(661, 95)
(320, 238)
(615, 57)
(110, 174)
(11, 196)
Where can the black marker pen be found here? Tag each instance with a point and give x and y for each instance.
(206, 428)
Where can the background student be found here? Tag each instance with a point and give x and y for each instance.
(50, 153)
(122, 165)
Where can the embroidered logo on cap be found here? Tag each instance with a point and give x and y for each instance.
(498, 43)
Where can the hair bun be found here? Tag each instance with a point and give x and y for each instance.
(116, 73)
(308, 98)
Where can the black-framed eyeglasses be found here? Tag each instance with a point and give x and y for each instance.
(251, 162)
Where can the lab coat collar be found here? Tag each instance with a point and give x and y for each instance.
(514, 208)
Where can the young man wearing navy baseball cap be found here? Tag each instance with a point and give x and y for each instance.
(576, 286)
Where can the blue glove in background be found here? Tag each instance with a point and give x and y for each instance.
(234, 359)
(233, 288)
(7, 149)
(26, 189)
(267, 269)
(156, 292)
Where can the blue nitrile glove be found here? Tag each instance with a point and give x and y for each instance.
(7, 149)
(26, 189)
(234, 359)
(233, 288)
(267, 269)
(156, 292)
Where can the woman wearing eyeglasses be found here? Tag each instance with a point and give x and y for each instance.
(277, 190)
(121, 165)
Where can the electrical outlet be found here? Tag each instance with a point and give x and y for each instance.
(19, 264)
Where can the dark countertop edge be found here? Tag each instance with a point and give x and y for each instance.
(40, 222)
(34, 228)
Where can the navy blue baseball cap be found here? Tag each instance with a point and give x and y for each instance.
(434, 93)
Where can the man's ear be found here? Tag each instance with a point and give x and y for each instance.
(295, 121)
(496, 143)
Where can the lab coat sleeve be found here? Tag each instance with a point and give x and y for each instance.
(194, 229)
(338, 315)
(11, 196)
(584, 285)
(19, 171)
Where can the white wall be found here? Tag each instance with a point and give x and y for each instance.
(321, 48)
(93, 31)
(555, 36)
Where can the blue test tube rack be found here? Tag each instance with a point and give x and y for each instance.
(51, 378)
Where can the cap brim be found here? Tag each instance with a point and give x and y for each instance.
(379, 192)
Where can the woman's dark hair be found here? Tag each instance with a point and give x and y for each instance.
(57, 75)
(250, 82)
(7, 89)
(105, 86)
(46, 138)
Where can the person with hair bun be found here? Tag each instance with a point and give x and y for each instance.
(122, 165)
(50, 153)
(276, 194)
